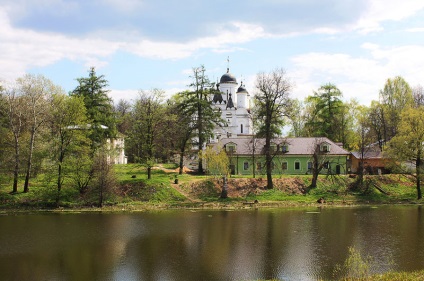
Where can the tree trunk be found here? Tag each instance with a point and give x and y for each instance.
(315, 168)
(224, 192)
(181, 162)
(418, 171)
(29, 163)
(16, 170)
(268, 162)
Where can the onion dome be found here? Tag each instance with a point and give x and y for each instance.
(242, 89)
(228, 78)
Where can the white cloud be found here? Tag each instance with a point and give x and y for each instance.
(358, 77)
(21, 49)
(384, 10)
(239, 33)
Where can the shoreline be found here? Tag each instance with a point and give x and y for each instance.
(199, 206)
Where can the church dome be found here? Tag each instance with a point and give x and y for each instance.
(228, 78)
(242, 89)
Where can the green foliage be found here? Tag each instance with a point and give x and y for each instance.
(197, 105)
(217, 161)
(408, 144)
(99, 107)
(327, 109)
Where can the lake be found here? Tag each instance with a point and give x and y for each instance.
(285, 244)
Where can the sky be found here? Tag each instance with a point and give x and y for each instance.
(144, 44)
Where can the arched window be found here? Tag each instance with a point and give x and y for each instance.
(241, 128)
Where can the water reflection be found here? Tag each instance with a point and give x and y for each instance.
(298, 244)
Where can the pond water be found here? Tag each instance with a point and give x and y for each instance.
(285, 244)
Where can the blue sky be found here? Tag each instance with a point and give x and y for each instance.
(355, 44)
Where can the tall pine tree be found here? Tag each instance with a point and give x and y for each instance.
(99, 107)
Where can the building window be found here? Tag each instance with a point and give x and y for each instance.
(284, 166)
(309, 165)
(230, 148)
(285, 148)
(246, 166)
(326, 165)
(297, 165)
(325, 148)
(258, 166)
(241, 128)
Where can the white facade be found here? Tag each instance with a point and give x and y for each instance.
(117, 149)
(234, 104)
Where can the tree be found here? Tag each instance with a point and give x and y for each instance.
(35, 91)
(394, 98)
(297, 119)
(364, 140)
(418, 94)
(408, 144)
(123, 116)
(196, 104)
(272, 106)
(376, 123)
(326, 112)
(99, 107)
(67, 125)
(104, 176)
(319, 161)
(15, 115)
(182, 129)
(148, 119)
(217, 163)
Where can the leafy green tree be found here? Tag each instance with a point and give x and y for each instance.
(217, 161)
(364, 139)
(377, 123)
(35, 91)
(408, 143)
(182, 129)
(99, 107)
(69, 138)
(217, 164)
(326, 113)
(394, 99)
(272, 107)
(196, 104)
(3, 130)
(15, 116)
(148, 119)
(298, 117)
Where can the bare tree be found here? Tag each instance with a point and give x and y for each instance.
(319, 160)
(272, 106)
(418, 93)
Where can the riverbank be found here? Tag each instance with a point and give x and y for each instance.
(168, 190)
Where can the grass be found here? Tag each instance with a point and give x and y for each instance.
(133, 188)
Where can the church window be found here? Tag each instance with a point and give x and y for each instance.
(246, 166)
(284, 165)
(241, 128)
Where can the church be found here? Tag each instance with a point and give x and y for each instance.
(233, 102)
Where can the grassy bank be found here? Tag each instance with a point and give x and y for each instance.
(133, 191)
